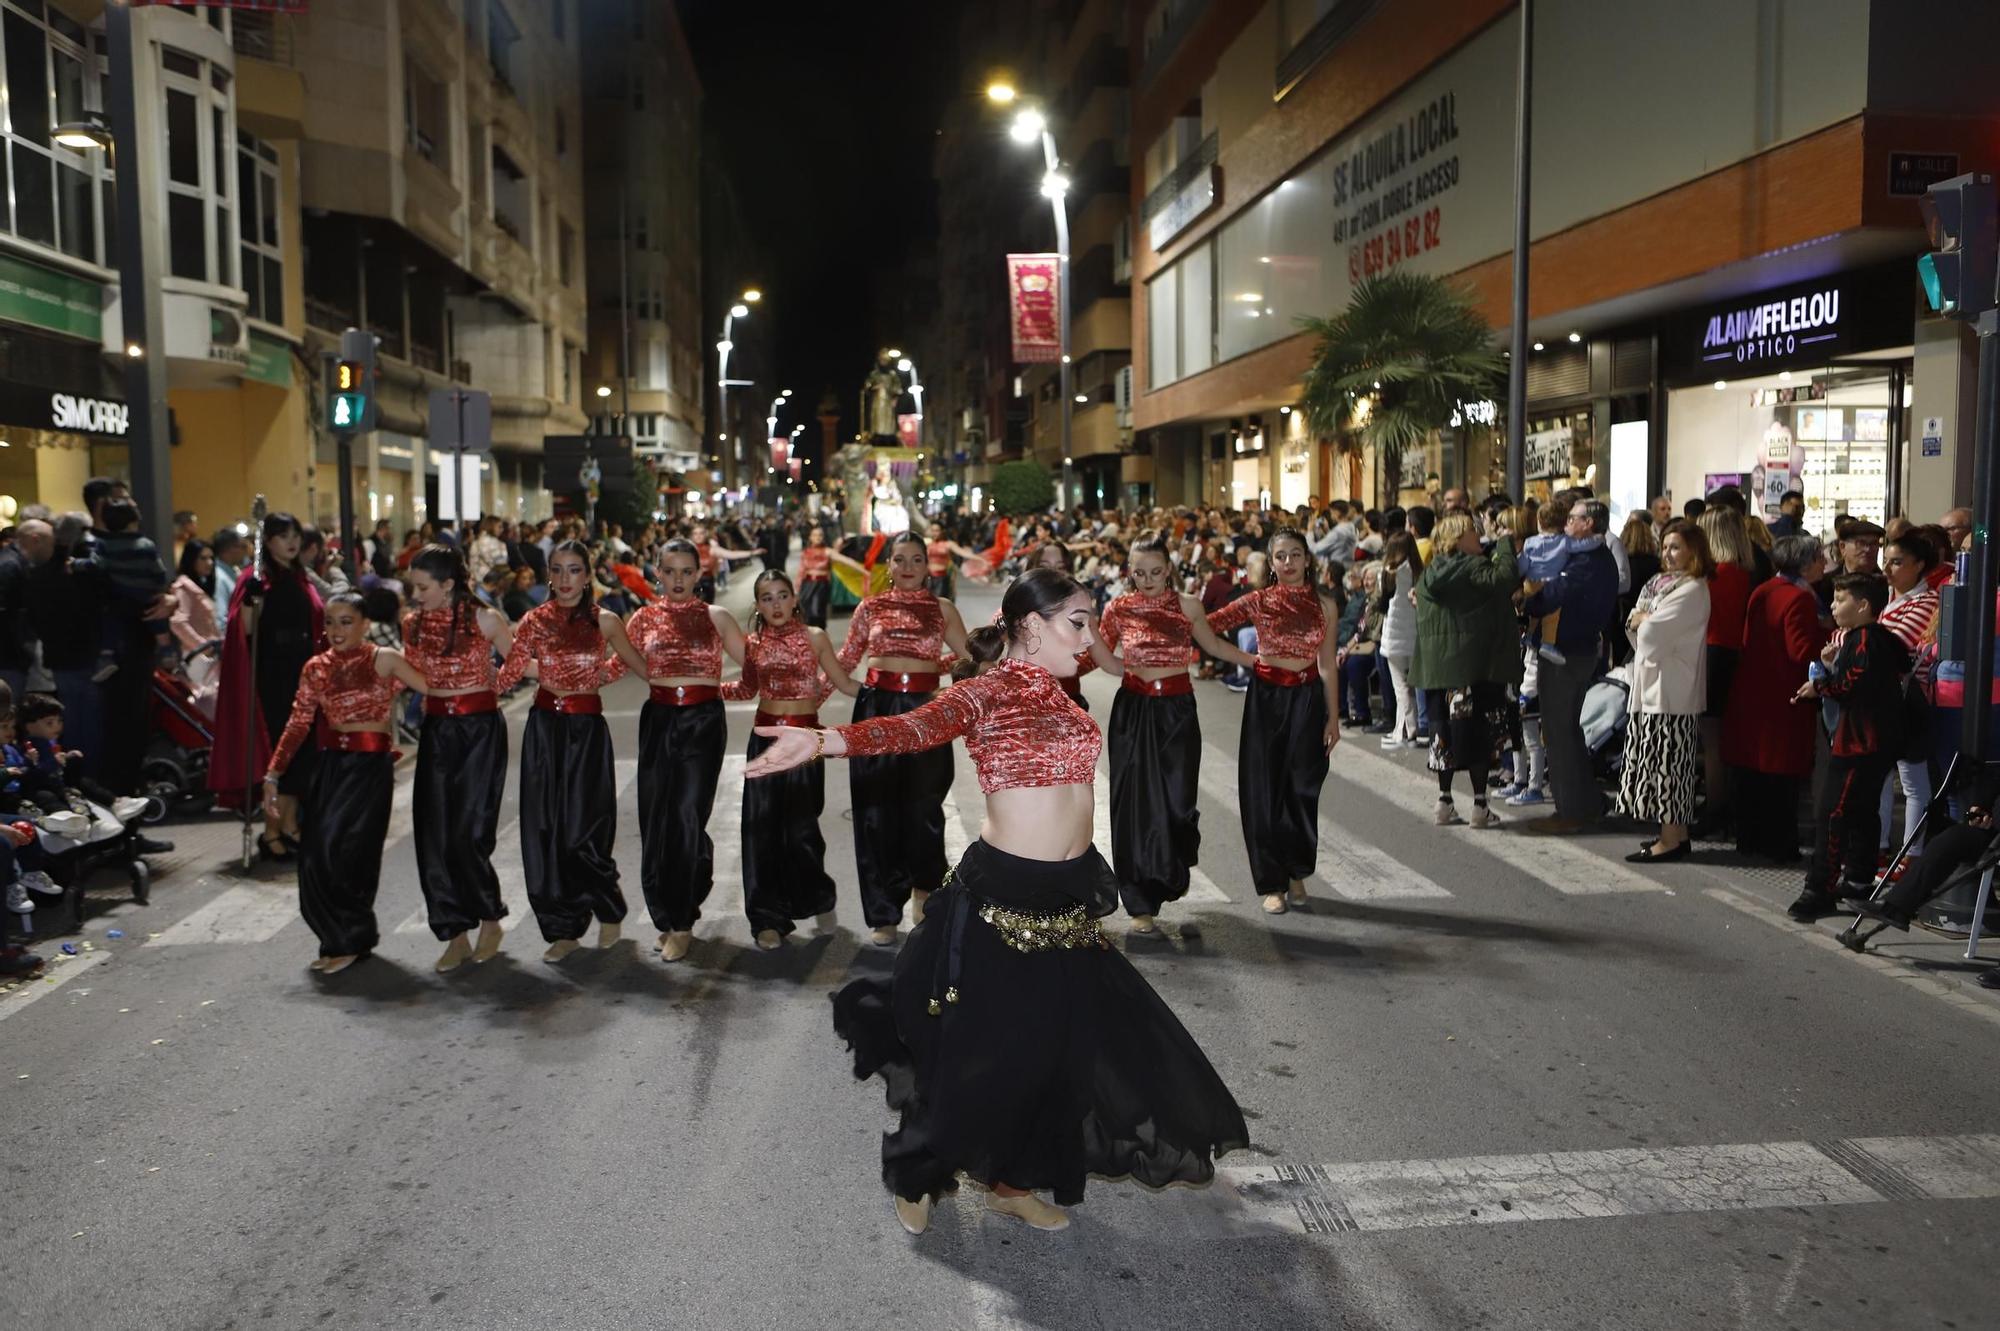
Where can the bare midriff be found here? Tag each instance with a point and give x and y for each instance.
(1151, 673)
(787, 706)
(681, 681)
(902, 665)
(1296, 664)
(1039, 822)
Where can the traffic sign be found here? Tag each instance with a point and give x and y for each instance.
(461, 418)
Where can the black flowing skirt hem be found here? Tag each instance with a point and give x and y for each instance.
(1051, 1068)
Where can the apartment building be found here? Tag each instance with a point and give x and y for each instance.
(1686, 169)
(642, 172)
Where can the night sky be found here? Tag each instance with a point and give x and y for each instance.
(813, 106)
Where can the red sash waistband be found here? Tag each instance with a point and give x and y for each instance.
(569, 704)
(1168, 686)
(1278, 675)
(355, 741)
(684, 695)
(807, 720)
(462, 704)
(902, 681)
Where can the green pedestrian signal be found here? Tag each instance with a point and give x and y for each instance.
(1958, 275)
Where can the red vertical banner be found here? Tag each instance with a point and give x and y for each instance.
(780, 450)
(1034, 294)
(906, 428)
(798, 466)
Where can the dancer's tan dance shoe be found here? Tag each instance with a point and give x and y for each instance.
(770, 939)
(1145, 924)
(675, 945)
(1296, 893)
(335, 965)
(491, 935)
(1275, 904)
(918, 900)
(561, 948)
(883, 937)
(456, 954)
(1032, 1210)
(607, 934)
(915, 1216)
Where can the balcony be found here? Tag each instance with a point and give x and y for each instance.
(1160, 46)
(262, 36)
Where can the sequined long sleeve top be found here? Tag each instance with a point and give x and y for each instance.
(341, 685)
(571, 656)
(678, 640)
(780, 664)
(450, 660)
(815, 562)
(1019, 726)
(895, 623)
(1290, 623)
(1148, 631)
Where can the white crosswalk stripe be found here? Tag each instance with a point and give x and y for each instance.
(723, 911)
(1348, 863)
(246, 913)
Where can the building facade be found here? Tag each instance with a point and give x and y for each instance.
(1720, 278)
(642, 171)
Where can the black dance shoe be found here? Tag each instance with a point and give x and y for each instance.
(1648, 854)
(1811, 906)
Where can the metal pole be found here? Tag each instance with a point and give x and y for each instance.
(1060, 205)
(343, 441)
(624, 324)
(464, 504)
(722, 394)
(1517, 365)
(1985, 571)
(139, 261)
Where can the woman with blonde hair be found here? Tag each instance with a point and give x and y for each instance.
(1728, 611)
(1466, 657)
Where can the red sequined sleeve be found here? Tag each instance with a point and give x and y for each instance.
(1112, 627)
(1233, 616)
(744, 686)
(527, 637)
(949, 716)
(855, 645)
(305, 703)
(614, 667)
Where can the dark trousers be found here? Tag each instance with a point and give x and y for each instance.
(1280, 766)
(1947, 851)
(1570, 778)
(1155, 761)
(680, 759)
(455, 819)
(1354, 675)
(342, 826)
(83, 719)
(1847, 822)
(784, 852)
(814, 594)
(569, 822)
(1766, 811)
(898, 802)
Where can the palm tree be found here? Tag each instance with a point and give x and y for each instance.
(1393, 367)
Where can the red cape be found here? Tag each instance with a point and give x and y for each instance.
(236, 696)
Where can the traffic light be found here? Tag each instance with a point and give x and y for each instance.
(351, 396)
(1959, 273)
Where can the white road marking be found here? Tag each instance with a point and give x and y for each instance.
(1348, 863)
(1565, 866)
(724, 907)
(1577, 1185)
(55, 976)
(246, 913)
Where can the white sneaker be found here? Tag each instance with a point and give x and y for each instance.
(1484, 817)
(1446, 814)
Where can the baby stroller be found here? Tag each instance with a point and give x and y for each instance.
(175, 774)
(1605, 705)
(77, 840)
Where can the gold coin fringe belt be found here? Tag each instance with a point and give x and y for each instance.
(1023, 931)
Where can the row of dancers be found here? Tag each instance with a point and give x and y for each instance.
(889, 663)
(1007, 940)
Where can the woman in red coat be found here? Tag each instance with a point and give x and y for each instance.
(1767, 740)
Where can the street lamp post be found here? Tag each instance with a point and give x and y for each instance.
(1030, 125)
(740, 310)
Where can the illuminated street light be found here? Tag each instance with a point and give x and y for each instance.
(751, 295)
(604, 390)
(1054, 185)
(1001, 91)
(739, 311)
(1028, 126)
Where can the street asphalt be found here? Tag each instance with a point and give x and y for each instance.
(1493, 1081)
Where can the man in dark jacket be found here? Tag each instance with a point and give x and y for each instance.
(17, 635)
(1862, 672)
(1586, 591)
(66, 599)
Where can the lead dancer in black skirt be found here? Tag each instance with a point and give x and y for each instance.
(899, 798)
(677, 644)
(569, 794)
(1155, 736)
(789, 668)
(1017, 1045)
(1289, 728)
(345, 817)
(462, 762)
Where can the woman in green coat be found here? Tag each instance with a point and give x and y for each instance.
(1468, 653)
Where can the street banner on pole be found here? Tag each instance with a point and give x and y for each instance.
(781, 450)
(1033, 291)
(906, 428)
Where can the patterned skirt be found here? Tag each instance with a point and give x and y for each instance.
(1662, 767)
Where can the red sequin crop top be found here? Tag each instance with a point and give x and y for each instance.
(570, 656)
(895, 623)
(678, 640)
(344, 687)
(815, 562)
(781, 665)
(448, 664)
(1290, 624)
(1019, 726)
(1147, 631)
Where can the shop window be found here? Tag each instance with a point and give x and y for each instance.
(200, 228)
(262, 257)
(51, 78)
